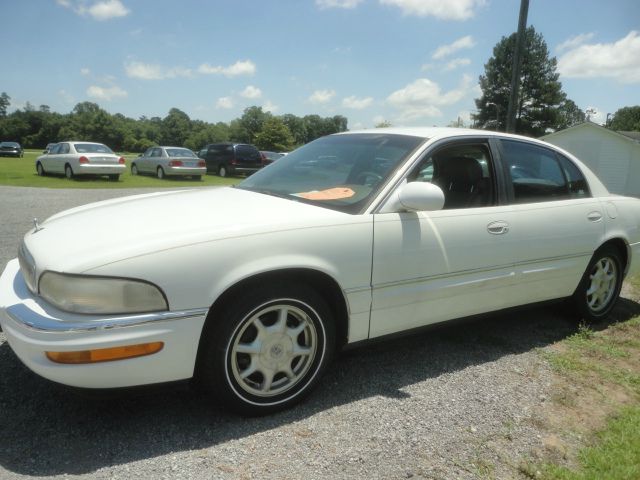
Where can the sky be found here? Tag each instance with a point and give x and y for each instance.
(407, 62)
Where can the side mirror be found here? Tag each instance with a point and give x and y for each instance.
(415, 197)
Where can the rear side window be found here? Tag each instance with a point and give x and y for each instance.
(578, 187)
(248, 152)
(536, 173)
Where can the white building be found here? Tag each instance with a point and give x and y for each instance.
(613, 156)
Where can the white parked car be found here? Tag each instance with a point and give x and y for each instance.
(80, 158)
(250, 290)
(169, 161)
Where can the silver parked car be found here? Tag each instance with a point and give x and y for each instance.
(169, 161)
(81, 158)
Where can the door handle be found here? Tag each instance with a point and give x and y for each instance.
(498, 228)
(594, 216)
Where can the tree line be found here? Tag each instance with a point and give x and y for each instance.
(36, 127)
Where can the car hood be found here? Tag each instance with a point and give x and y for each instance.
(97, 234)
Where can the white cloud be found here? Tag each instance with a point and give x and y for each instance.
(321, 96)
(595, 115)
(107, 94)
(85, 71)
(619, 60)
(575, 41)
(224, 103)
(356, 103)
(422, 98)
(251, 92)
(241, 67)
(322, 4)
(101, 10)
(269, 106)
(148, 71)
(446, 50)
(455, 63)
(107, 10)
(443, 10)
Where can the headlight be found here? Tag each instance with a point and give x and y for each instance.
(100, 295)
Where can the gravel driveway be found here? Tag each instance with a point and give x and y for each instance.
(457, 401)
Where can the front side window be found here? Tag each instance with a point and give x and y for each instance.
(341, 172)
(536, 174)
(63, 149)
(463, 172)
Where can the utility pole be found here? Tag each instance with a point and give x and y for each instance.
(515, 69)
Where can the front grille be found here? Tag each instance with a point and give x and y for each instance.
(27, 267)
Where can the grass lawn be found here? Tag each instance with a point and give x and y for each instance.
(21, 172)
(599, 397)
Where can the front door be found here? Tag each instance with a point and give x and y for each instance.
(434, 266)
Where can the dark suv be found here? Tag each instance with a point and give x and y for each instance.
(231, 158)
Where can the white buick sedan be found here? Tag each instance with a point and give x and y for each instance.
(80, 158)
(250, 290)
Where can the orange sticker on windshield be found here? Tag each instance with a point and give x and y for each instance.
(336, 193)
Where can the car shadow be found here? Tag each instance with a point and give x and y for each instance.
(48, 429)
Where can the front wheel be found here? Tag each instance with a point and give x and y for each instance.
(599, 288)
(40, 170)
(270, 350)
(134, 169)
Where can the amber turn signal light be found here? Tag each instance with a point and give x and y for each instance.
(105, 354)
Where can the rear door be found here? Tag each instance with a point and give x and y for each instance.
(557, 223)
(458, 261)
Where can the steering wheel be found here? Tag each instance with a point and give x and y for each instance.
(368, 178)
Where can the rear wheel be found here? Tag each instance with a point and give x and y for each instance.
(222, 171)
(599, 288)
(196, 178)
(270, 350)
(40, 169)
(114, 178)
(160, 173)
(68, 171)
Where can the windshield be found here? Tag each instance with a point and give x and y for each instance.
(92, 148)
(180, 152)
(342, 172)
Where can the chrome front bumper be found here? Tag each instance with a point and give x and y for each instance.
(34, 327)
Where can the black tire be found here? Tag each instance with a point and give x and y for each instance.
(600, 285)
(285, 364)
(40, 169)
(134, 169)
(68, 171)
(114, 178)
(160, 173)
(222, 171)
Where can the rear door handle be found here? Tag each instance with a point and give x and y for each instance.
(594, 216)
(498, 228)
